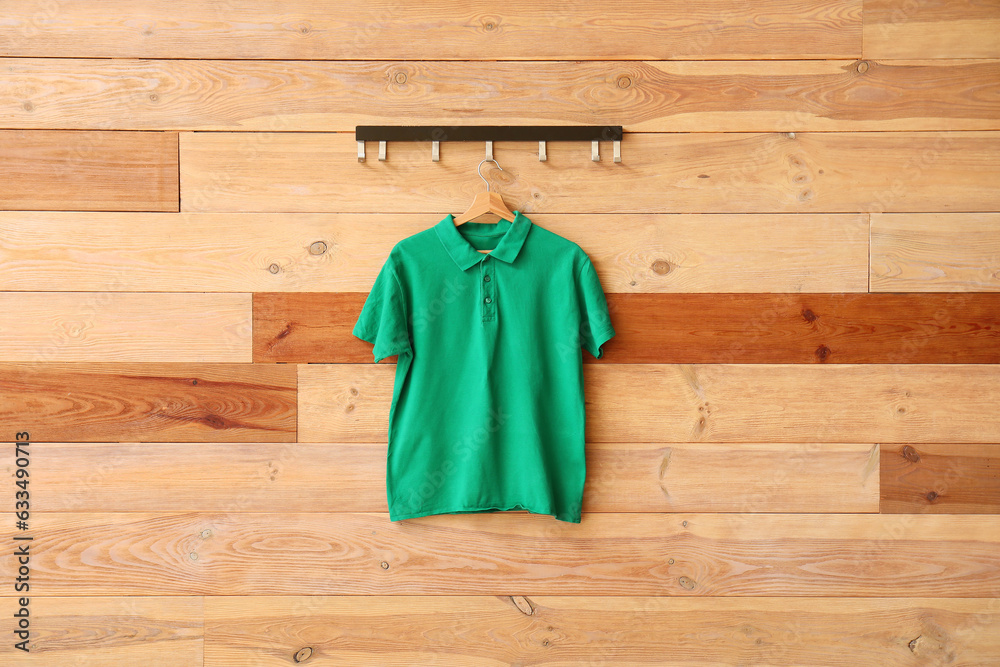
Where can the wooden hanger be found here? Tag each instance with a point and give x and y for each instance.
(486, 202)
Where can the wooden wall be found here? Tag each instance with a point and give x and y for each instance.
(792, 441)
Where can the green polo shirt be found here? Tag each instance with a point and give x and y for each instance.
(487, 409)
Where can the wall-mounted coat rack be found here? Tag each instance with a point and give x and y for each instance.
(489, 133)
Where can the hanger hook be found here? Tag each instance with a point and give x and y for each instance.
(480, 167)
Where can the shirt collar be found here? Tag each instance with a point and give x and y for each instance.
(465, 255)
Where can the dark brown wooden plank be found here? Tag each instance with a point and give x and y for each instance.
(90, 170)
(850, 328)
(940, 478)
(124, 402)
(454, 29)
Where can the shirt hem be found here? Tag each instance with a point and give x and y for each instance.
(600, 339)
(370, 337)
(469, 509)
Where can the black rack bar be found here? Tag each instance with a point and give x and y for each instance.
(488, 133)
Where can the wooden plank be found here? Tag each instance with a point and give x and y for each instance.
(804, 328)
(935, 252)
(350, 477)
(149, 402)
(888, 403)
(941, 478)
(723, 554)
(931, 29)
(656, 96)
(462, 30)
(92, 630)
(126, 326)
(316, 327)
(660, 173)
(192, 252)
(243, 252)
(92, 170)
(607, 630)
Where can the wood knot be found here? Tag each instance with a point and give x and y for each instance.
(809, 315)
(823, 352)
(215, 421)
(523, 604)
(661, 266)
(910, 454)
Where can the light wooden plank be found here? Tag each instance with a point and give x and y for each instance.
(941, 478)
(453, 29)
(935, 252)
(93, 170)
(659, 173)
(725, 554)
(316, 327)
(350, 477)
(654, 96)
(567, 630)
(331, 252)
(92, 630)
(126, 326)
(904, 403)
(931, 29)
(149, 402)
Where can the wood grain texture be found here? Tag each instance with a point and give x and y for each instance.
(826, 172)
(792, 441)
(452, 29)
(134, 402)
(350, 477)
(935, 252)
(790, 328)
(100, 630)
(655, 96)
(931, 29)
(886, 403)
(514, 553)
(564, 630)
(125, 326)
(310, 252)
(942, 478)
(89, 170)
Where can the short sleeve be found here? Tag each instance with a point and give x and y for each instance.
(383, 320)
(595, 320)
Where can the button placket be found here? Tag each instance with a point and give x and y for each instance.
(486, 289)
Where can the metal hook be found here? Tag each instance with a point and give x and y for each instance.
(480, 167)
